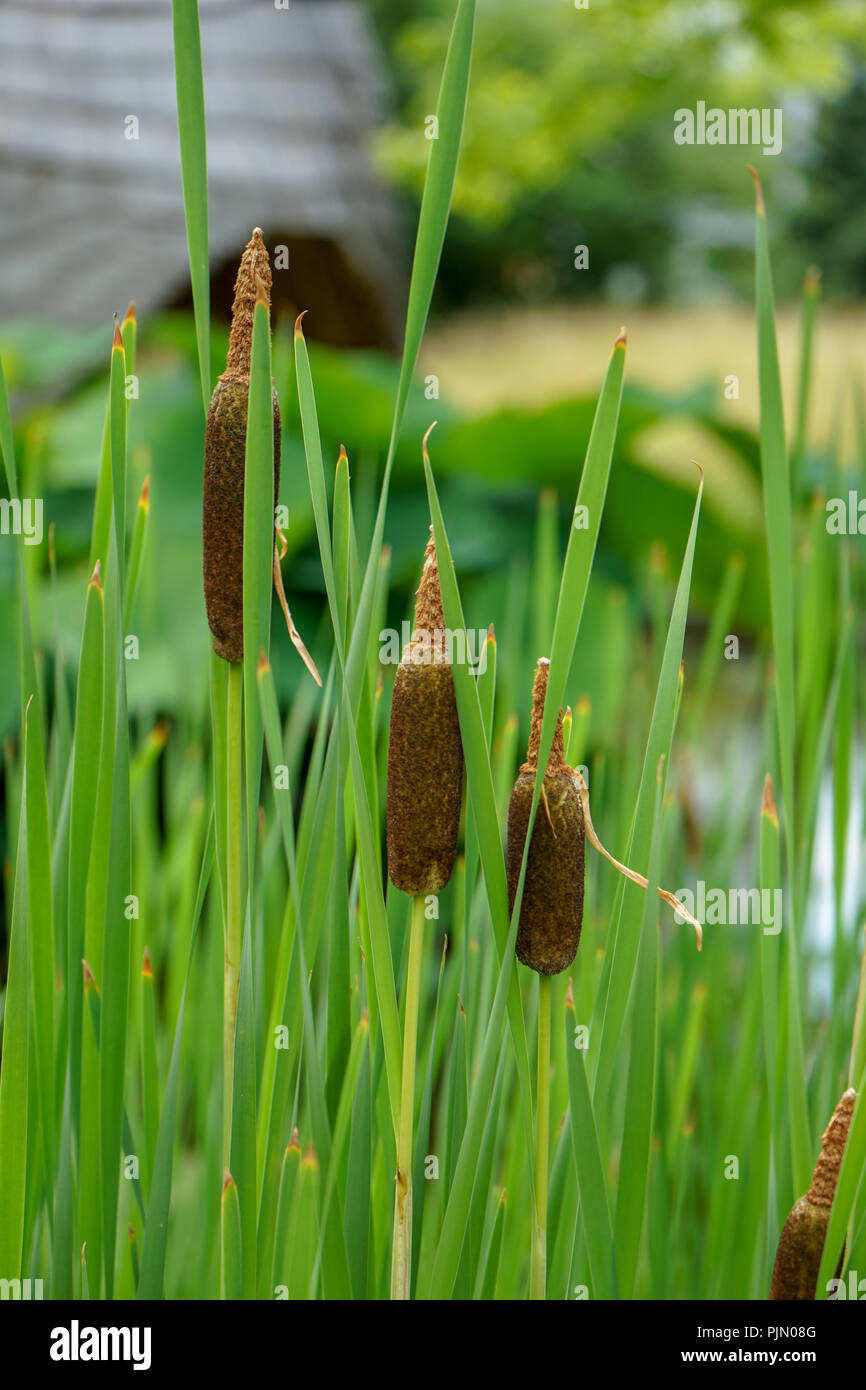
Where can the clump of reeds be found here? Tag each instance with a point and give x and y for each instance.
(224, 460)
(801, 1245)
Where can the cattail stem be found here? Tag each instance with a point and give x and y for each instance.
(401, 1261)
(538, 1278)
(234, 910)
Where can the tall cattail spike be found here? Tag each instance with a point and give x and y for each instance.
(801, 1244)
(225, 462)
(425, 753)
(551, 909)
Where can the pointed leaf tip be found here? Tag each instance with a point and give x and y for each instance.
(812, 280)
(768, 802)
(129, 316)
(299, 332)
(118, 338)
(621, 340)
(759, 196)
(96, 577)
(263, 294)
(424, 453)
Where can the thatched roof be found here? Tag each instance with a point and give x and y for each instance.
(90, 218)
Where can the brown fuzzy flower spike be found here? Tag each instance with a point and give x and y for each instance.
(425, 753)
(801, 1246)
(225, 451)
(551, 910)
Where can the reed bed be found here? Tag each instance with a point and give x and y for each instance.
(239, 1060)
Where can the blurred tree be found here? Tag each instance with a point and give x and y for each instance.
(833, 222)
(569, 138)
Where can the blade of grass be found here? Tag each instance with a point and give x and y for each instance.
(117, 909)
(243, 1137)
(808, 312)
(589, 1167)
(193, 158)
(231, 1264)
(482, 796)
(13, 1076)
(7, 443)
(579, 554)
(382, 964)
(41, 935)
(258, 556)
(133, 571)
(432, 223)
(634, 1162)
(627, 924)
(777, 513)
(156, 1228)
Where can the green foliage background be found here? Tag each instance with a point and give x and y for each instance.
(569, 140)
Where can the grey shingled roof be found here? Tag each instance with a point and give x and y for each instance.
(89, 219)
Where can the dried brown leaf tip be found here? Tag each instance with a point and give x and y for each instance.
(225, 451)
(801, 1246)
(425, 754)
(551, 910)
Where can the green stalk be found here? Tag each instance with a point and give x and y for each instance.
(401, 1263)
(538, 1278)
(234, 902)
(808, 311)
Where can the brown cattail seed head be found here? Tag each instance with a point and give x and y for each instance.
(425, 754)
(224, 459)
(551, 911)
(801, 1246)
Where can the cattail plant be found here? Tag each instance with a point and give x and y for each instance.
(551, 909)
(224, 461)
(425, 777)
(801, 1245)
(223, 557)
(223, 566)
